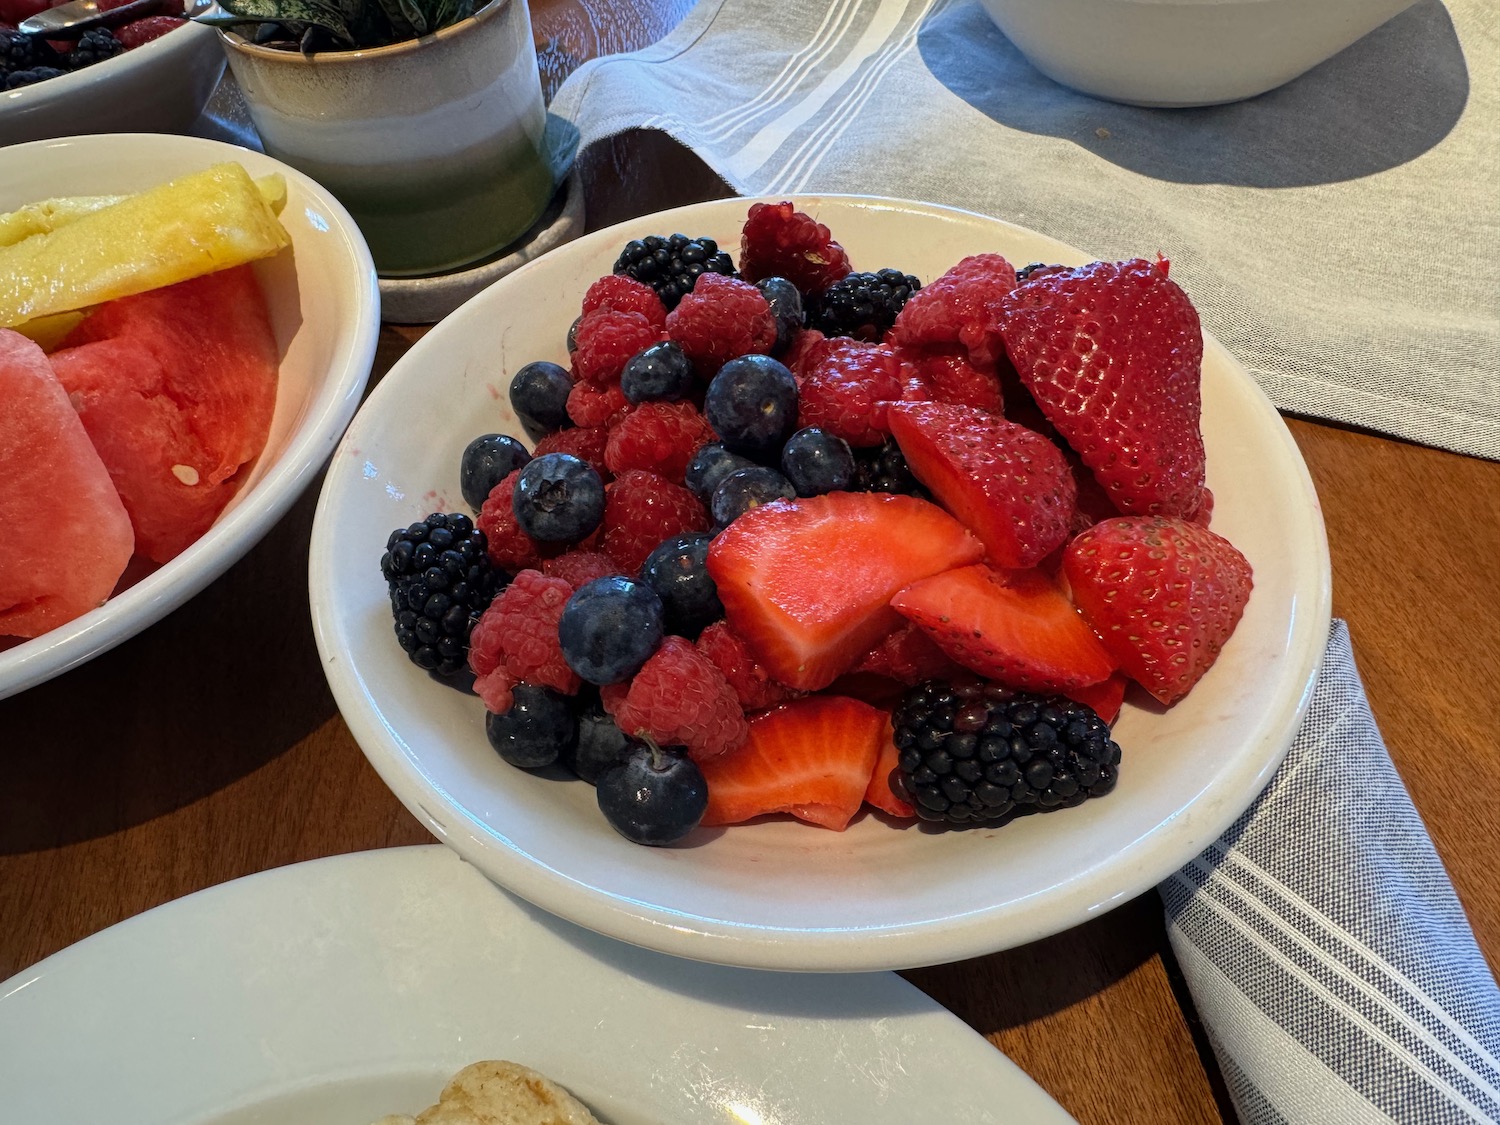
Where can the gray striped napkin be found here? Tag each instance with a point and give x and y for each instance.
(1326, 951)
(1340, 235)
(1331, 962)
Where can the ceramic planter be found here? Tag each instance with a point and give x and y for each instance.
(434, 145)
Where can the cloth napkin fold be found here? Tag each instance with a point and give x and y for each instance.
(1330, 960)
(1340, 235)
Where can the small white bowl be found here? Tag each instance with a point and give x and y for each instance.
(1183, 52)
(325, 310)
(158, 87)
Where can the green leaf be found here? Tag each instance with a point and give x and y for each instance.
(317, 13)
(353, 23)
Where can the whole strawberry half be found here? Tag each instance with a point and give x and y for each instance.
(813, 758)
(1163, 595)
(1015, 627)
(1112, 353)
(807, 583)
(1007, 484)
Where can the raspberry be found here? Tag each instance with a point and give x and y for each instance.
(584, 442)
(780, 241)
(510, 548)
(679, 698)
(591, 405)
(962, 307)
(517, 636)
(625, 294)
(949, 377)
(846, 391)
(577, 567)
(660, 436)
(136, 32)
(909, 656)
(752, 684)
(804, 351)
(606, 338)
(720, 319)
(641, 509)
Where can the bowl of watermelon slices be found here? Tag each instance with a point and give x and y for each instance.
(185, 329)
(1018, 582)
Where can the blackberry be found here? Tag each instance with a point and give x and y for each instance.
(673, 264)
(883, 468)
(94, 47)
(977, 752)
(440, 579)
(19, 52)
(862, 305)
(18, 78)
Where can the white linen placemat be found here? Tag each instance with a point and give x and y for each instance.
(1341, 235)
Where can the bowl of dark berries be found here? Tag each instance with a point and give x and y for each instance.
(827, 584)
(150, 74)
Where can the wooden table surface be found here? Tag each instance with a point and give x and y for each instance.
(209, 747)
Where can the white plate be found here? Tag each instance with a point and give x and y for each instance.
(781, 894)
(333, 992)
(325, 310)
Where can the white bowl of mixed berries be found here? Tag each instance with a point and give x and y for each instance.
(906, 604)
(150, 73)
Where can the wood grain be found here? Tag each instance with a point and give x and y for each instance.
(209, 747)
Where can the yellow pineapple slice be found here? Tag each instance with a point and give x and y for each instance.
(49, 331)
(207, 221)
(49, 214)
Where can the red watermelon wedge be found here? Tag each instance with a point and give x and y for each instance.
(176, 387)
(68, 538)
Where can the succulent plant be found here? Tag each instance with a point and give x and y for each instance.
(339, 25)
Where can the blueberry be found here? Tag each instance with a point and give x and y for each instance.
(678, 571)
(573, 334)
(539, 396)
(609, 628)
(559, 498)
(785, 300)
(539, 727)
(711, 464)
(752, 405)
(601, 744)
(661, 372)
(656, 797)
(487, 461)
(744, 489)
(816, 462)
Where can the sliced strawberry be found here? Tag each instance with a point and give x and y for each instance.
(1112, 352)
(1010, 486)
(812, 757)
(1017, 628)
(1106, 697)
(807, 583)
(880, 794)
(1163, 594)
